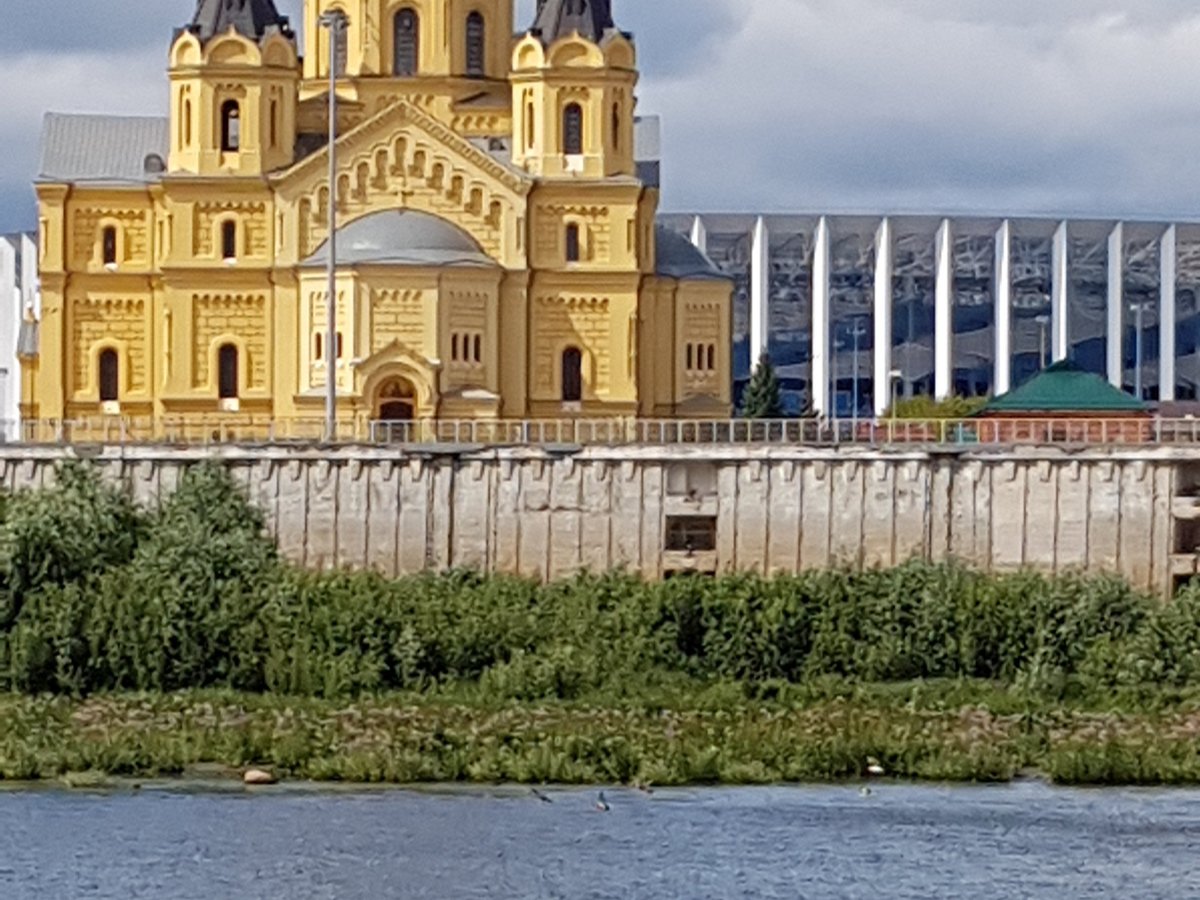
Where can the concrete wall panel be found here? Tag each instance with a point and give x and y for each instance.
(778, 510)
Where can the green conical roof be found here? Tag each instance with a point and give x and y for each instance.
(1065, 388)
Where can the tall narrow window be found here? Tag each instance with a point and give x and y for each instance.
(231, 126)
(339, 345)
(407, 37)
(572, 375)
(478, 347)
(187, 123)
(616, 126)
(110, 376)
(227, 372)
(573, 129)
(318, 348)
(476, 32)
(530, 125)
(712, 357)
(572, 243)
(229, 240)
(108, 245)
(274, 123)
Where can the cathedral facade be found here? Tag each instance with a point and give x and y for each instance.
(497, 255)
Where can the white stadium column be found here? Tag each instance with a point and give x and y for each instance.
(1060, 290)
(1116, 300)
(818, 389)
(943, 341)
(760, 293)
(883, 317)
(1004, 309)
(699, 235)
(1166, 315)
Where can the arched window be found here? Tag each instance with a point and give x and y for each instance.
(478, 344)
(691, 357)
(572, 375)
(108, 245)
(573, 129)
(712, 357)
(231, 126)
(110, 376)
(573, 249)
(227, 372)
(229, 248)
(476, 46)
(407, 37)
(454, 354)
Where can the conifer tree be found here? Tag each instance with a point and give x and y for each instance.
(763, 399)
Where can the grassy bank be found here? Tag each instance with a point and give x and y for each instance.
(914, 732)
(141, 641)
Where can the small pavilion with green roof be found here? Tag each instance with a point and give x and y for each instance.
(1066, 391)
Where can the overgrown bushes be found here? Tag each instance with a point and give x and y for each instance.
(97, 595)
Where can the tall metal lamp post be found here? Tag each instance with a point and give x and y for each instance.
(336, 22)
(858, 333)
(1043, 323)
(1138, 310)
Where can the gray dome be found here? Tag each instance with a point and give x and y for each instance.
(402, 237)
(677, 257)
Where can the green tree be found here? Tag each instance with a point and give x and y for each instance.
(762, 399)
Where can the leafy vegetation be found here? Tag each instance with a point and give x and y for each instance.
(139, 641)
(763, 398)
(927, 409)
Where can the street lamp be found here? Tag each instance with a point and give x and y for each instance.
(838, 345)
(336, 22)
(858, 332)
(895, 377)
(1043, 322)
(1138, 309)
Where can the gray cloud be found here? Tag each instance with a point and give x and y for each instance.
(1022, 105)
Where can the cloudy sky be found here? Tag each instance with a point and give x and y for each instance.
(1036, 106)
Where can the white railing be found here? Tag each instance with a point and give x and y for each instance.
(246, 429)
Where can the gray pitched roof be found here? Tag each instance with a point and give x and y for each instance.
(558, 18)
(402, 237)
(250, 18)
(678, 258)
(106, 149)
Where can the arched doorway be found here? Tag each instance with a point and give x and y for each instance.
(396, 401)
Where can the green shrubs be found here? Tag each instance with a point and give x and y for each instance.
(100, 596)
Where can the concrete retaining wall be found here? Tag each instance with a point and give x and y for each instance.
(550, 514)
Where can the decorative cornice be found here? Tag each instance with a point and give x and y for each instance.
(404, 113)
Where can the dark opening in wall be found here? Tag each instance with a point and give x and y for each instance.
(691, 534)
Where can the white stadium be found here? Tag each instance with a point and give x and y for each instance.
(871, 307)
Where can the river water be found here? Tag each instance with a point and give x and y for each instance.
(1024, 841)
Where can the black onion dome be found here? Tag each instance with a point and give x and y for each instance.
(253, 19)
(556, 19)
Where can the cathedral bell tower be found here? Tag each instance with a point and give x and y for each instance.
(409, 39)
(573, 80)
(234, 73)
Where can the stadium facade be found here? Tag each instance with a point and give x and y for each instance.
(18, 308)
(955, 305)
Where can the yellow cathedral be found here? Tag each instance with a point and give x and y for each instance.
(496, 250)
